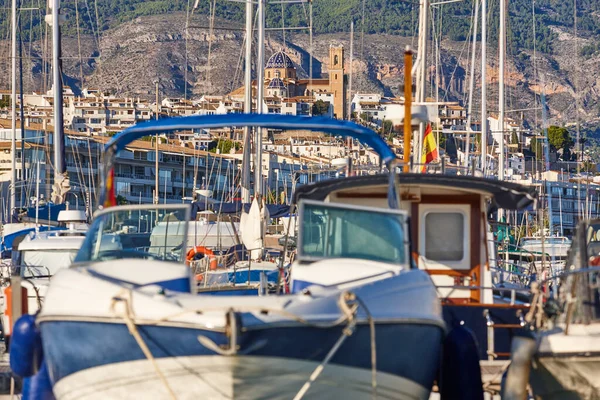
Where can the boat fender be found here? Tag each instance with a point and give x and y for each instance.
(461, 373)
(26, 347)
(38, 386)
(522, 349)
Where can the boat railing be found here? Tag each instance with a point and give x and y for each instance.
(202, 267)
(443, 167)
(512, 291)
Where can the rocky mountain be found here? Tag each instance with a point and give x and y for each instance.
(130, 57)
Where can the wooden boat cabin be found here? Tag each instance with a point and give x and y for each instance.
(450, 238)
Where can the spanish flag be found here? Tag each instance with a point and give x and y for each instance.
(430, 151)
(111, 199)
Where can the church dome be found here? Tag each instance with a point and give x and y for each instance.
(276, 83)
(280, 60)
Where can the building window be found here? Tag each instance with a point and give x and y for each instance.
(336, 77)
(335, 62)
(444, 236)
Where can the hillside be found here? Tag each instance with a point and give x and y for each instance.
(137, 52)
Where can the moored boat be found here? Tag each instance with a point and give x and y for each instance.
(126, 323)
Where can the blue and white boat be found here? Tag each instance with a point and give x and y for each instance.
(127, 323)
(104, 338)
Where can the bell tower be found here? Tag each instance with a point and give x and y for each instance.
(336, 80)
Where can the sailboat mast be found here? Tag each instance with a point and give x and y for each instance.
(483, 86)
(351, 70)
(422, 73)
(245, 176)
(59, 142)
(260, 82)
(471, 85)
(501, 101)
(13, 143)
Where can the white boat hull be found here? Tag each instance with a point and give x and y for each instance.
(217, 377)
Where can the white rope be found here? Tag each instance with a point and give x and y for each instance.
(350, 313)
(127, 317)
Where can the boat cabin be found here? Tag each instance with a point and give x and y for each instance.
(449, 238)
(449, 233)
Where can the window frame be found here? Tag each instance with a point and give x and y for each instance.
(465, 211)
(311, 258)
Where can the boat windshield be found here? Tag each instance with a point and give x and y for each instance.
(131, 232)
(344, 231)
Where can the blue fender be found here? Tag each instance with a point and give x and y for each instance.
(38, 386)
(26, 347)
(461, 372)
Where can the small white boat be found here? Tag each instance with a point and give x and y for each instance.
(40, 255)
(562, 351)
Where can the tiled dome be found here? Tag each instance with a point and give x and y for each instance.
(279, 60)
(276, 83)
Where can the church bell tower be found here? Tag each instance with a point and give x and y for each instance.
(336, 80)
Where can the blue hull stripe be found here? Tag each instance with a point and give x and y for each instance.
(409, 351)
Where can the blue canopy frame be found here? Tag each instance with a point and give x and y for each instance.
(284, 122)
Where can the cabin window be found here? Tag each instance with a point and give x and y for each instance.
(444, 236)
(335, 231)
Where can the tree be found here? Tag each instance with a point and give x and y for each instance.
(366, 117)
(514, 138)
(537, 147)
(121, 200)
(320, 107)
(559, 138)
(224, 146)
(387, 126)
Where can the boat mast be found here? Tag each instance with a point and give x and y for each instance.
(156, 180)
(501, 101)
(422, 71)
(245, 173)
(260, 82)
(471, 85)
(483, 86)
(59, 142)
(350, 72)
(13, 143)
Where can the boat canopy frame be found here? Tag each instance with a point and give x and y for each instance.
(329, 126)
(506, 195)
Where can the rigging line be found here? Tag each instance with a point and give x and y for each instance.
(31, 41)
(577, 98)
(238, 68)
(413, 25)
(211, 30)
(283, 24)
(472, 33)
(91, 20)
(45, 55)
(22, 106)
(460, 56)
(78, 41)
(185, 71)
(93, 183)
(535, 70)
(435, 48)
(362, 40)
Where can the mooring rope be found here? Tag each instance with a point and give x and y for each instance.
(127, 317)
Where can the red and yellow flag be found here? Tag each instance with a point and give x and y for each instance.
(430, 150)
(111, 198)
